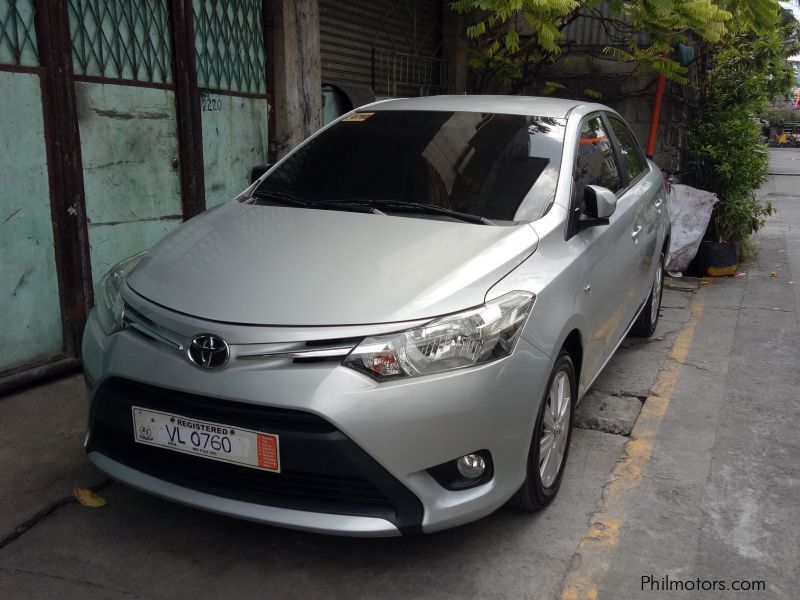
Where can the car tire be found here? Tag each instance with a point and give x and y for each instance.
(542, 481)
(647, 321)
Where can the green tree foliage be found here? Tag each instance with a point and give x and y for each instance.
(512, 40)
(500, 56)
(741, 74)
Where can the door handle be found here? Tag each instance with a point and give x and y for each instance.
(636, 232)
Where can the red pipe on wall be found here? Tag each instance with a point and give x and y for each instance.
(651, 142)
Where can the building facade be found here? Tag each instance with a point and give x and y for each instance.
(123, 118)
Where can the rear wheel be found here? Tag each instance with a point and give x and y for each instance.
(645, 324)
(551, 436)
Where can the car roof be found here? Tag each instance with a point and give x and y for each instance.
(515, 105)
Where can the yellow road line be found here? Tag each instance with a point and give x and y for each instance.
(595, 550)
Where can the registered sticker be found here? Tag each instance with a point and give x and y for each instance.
(358, 117)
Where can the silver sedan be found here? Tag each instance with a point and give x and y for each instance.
(388, 331)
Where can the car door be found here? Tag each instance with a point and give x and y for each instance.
(645, 195)
(608, 254)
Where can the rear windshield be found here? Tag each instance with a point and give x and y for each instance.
(481, 164)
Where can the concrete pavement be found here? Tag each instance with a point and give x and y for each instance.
(705, 487)
(41, 456)
(708, 490)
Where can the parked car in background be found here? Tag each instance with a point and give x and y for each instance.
(387, 332)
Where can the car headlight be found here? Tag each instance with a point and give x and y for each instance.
(110, 305)
(465, 339)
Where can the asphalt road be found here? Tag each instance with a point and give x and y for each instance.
(705, 488)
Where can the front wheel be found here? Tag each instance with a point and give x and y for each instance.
(645, 324)
(551, 436)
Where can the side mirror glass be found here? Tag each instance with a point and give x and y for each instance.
(257, 171)
(598, 205)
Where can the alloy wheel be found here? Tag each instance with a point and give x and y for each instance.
(656, 294)
(555, 428)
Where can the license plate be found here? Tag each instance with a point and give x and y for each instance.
(214, 441)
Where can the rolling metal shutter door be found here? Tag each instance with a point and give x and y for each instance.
(350, 30)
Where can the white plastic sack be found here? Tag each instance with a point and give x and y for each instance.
(689, 213)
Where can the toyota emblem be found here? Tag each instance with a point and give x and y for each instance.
(208, 351)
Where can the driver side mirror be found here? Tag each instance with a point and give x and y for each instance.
(598, 205)
(258, 171)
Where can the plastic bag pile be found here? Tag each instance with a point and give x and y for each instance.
(689, 213)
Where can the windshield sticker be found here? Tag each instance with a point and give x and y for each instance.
(358, 117)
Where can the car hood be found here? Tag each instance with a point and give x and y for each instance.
(269, 265)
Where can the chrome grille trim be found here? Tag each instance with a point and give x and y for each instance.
(143, 325)
(330, 352)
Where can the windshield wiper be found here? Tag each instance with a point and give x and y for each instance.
(433, 209)
(402, 205)
(371, 206)
(283, 197)
(286, 198)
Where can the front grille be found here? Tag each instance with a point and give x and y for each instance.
(321, 469)
(307, 491)
(243, 414)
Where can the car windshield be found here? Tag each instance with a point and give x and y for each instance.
(482, 164)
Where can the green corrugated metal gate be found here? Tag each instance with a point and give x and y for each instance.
(120, 119)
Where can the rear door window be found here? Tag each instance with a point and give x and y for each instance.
(629, 148)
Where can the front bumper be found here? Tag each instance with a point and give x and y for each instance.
(322, 471)
(295, 519)
(398, 429)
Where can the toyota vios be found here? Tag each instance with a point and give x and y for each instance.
(388, 331)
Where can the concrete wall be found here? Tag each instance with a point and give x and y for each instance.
(630, 91)
(455, 49)
(298, 83)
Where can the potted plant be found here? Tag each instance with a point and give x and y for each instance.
(733, 164)
(734, 219)
(738, 76)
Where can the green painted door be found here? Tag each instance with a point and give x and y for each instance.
(30, 305)
(122, 59)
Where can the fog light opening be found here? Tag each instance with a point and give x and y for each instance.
(471, 466)
(468, 471)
